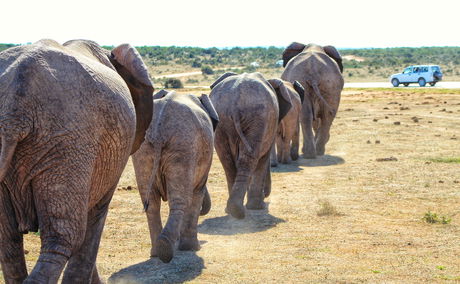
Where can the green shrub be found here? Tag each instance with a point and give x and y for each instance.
(207, 70)
(173, 83)
(433, 218)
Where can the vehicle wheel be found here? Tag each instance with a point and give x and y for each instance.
(432, 84)
(421, 82)
(406, 84)
(395, 82)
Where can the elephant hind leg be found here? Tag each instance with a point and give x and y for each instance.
(273, 157)
(179, 199)
(81, 267)
(189, 235)
(322, 135)
(257, 189)
(12, 244)
(295, 143)
(62, 209)
(306, 121)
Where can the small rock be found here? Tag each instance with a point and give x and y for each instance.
(429, 121)
(441, 181)
(129, 187)
(368, 142)
(397, 123)
(377, 141)
(26, 251)
(385, 108)
(386, 117)
(375, 120)
(355, 120)
(456, 181)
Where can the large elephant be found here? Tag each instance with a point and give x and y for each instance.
(249, 109)
(67, 128)
(286, 146)
(319, 70)
(173, 164)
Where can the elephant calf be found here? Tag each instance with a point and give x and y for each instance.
(173, 164)
(287, 137)
(249, 109)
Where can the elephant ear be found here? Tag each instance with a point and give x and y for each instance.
(208, 106)
(292, 50)
(161, 94)
(221, 78)
(132, 69)
(284, 100)
(300, 90)
(334, 54)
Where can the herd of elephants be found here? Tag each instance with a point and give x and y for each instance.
(71, 115)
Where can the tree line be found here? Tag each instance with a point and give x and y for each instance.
(268, 56)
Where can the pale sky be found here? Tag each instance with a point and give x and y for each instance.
(207, 23)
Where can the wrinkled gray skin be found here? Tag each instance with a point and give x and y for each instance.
(318, 69)
(287, 135)
(173, 164)
(67, 127)
(249, 109)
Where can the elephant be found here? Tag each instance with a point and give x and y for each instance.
(173, 165)
(249, 109)
(286, 145)
(319, 70)
(70, 116)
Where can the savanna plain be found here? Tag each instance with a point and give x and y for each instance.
(382, 206)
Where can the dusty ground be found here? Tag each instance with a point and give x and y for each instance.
(377, 235)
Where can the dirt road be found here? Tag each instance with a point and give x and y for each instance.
(354, 215)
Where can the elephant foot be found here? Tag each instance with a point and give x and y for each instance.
(153, 252)
(320, 153)
(309, 156)
(165, 249)
(294, 156)
(190, 244)
(273, 164)
(255, 205)
(235, 210)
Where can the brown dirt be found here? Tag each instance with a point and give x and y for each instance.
(376, 236)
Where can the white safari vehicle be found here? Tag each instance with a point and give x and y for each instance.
(420, 74)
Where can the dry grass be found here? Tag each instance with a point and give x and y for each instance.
(380, 238)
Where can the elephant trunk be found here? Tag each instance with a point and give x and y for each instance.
(8, 147)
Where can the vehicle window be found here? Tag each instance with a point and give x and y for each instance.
(434, 68)
(416, 69)
(425, 69)
(407, 70)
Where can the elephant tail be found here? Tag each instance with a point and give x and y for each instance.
(206, 205)
(8, 147)
(241, 135)
(317, 93)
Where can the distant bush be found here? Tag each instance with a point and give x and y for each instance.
(207, 70)
(196, 64)
(173, 83)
